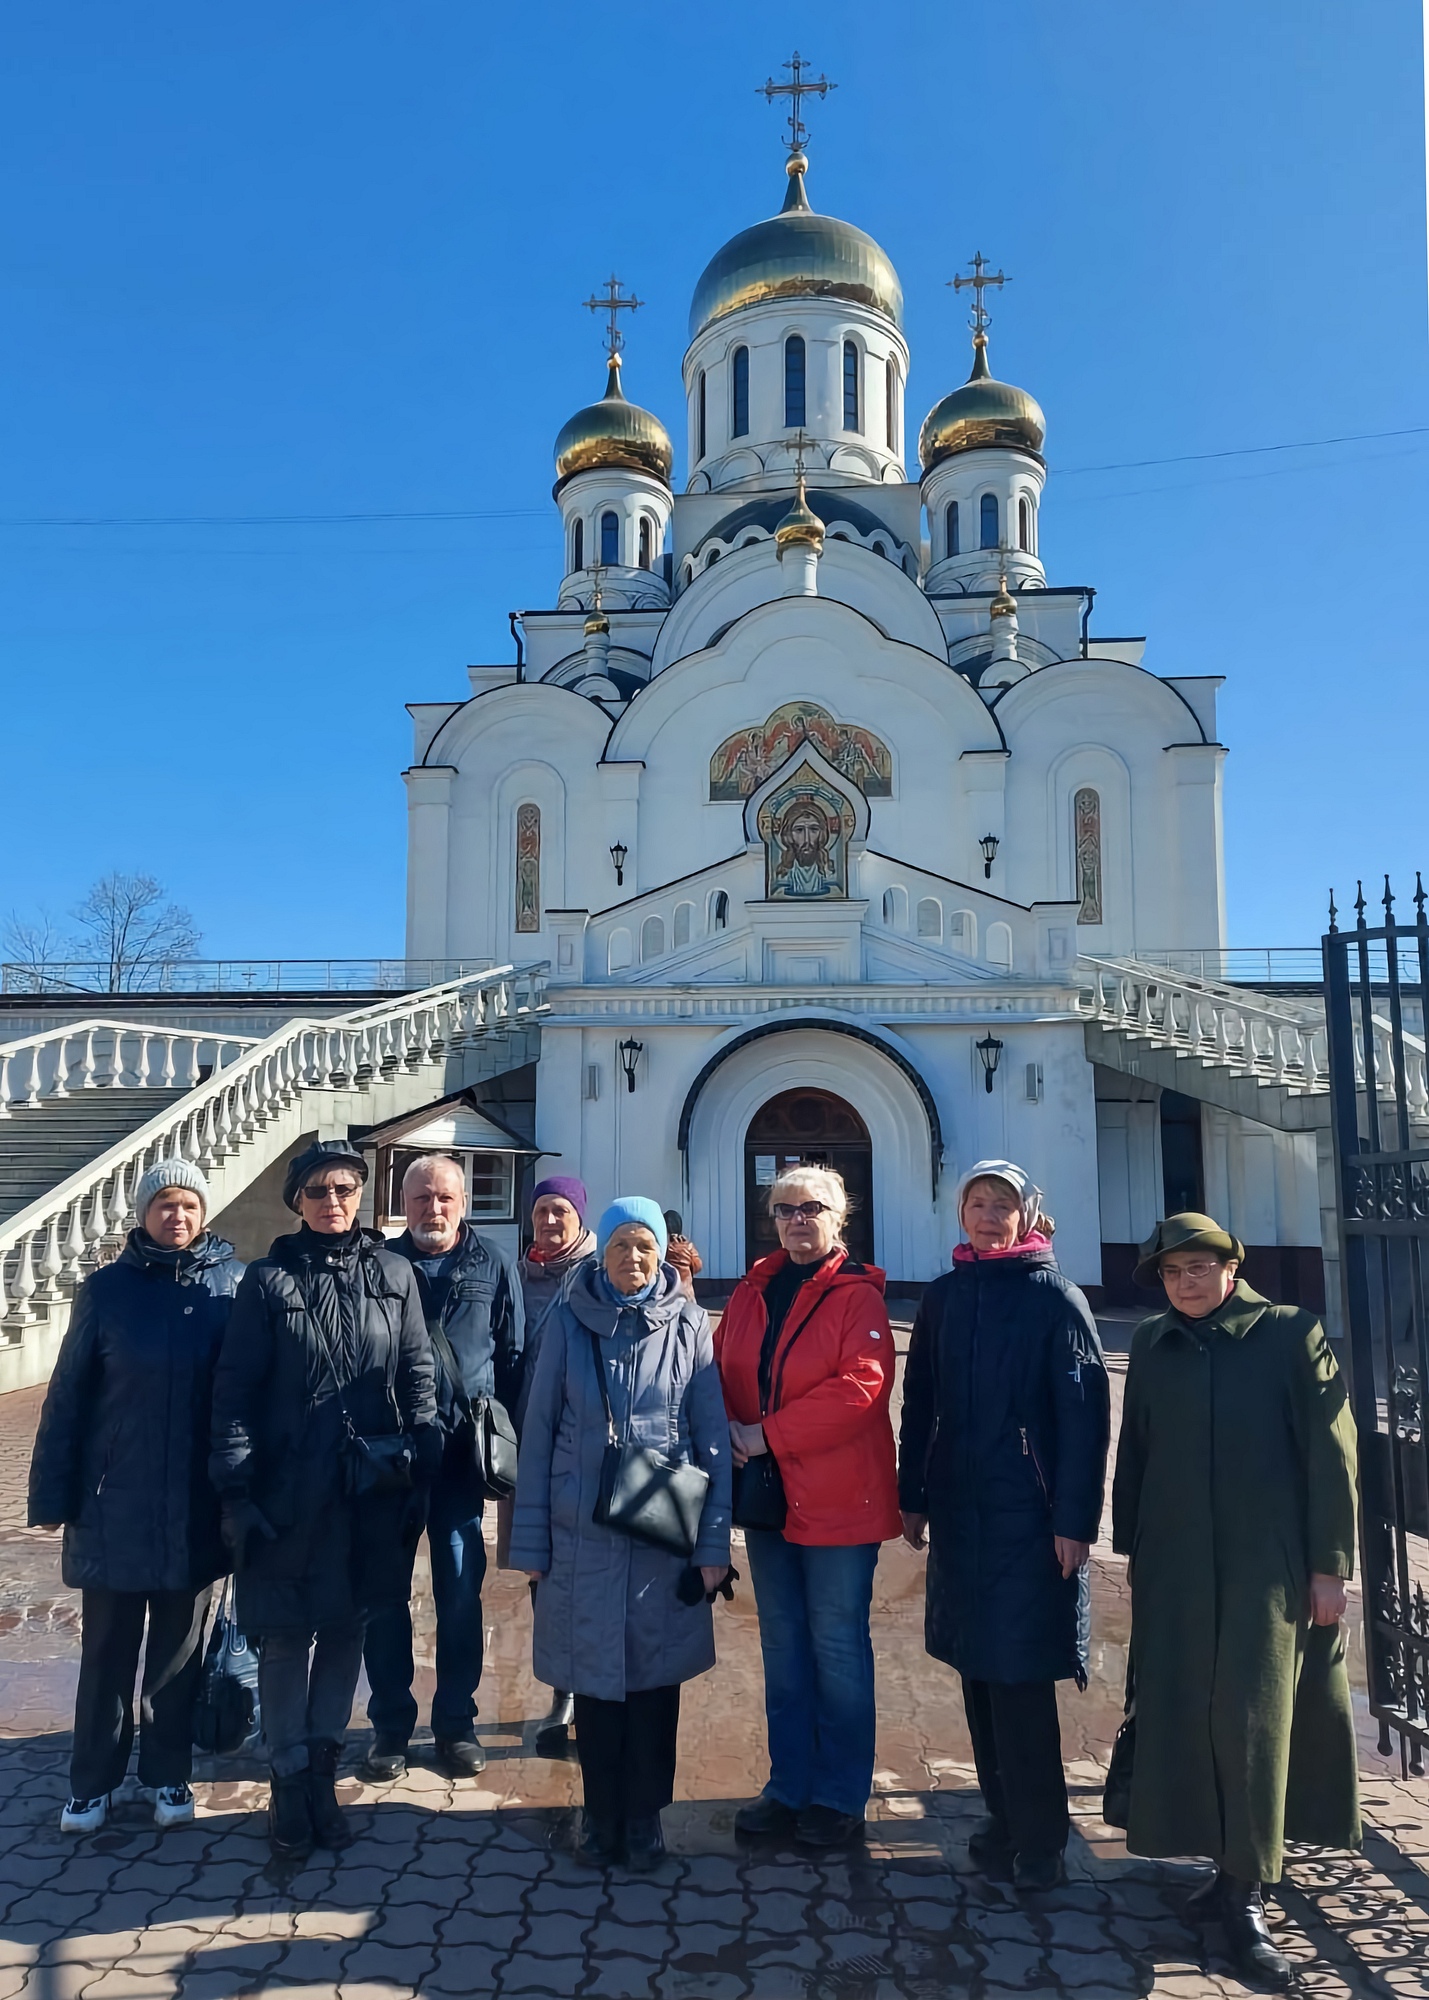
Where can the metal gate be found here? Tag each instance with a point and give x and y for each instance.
(1375, 977)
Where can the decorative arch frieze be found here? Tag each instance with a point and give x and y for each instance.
(744, 761)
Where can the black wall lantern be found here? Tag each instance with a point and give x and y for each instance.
(989, 845)
(989, 1050)
(617, 855)
(630, 1053)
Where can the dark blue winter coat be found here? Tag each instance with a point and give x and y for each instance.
(1004, 1443)
(121, 1456)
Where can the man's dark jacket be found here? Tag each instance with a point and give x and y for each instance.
(278, 1427)
(1004, 1443)
(480, 1311)
(122, 1451)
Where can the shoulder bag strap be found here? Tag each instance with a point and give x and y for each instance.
(776, 1386)
(604, 1388)
(451, 1367)
(324, 1351)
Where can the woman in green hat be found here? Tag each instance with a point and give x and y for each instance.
(1234, 1498)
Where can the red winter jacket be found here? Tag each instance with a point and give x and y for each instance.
(830, 1430)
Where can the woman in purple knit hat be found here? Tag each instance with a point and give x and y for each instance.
(560, 1245)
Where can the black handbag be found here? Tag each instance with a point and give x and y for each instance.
(489, 1431)
(649, 1495)
(370, 1465)
(759, 1497)
(226, 1715)
(1116, 1793)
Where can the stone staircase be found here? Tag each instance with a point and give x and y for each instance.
(44, 1144)
(77, 1109)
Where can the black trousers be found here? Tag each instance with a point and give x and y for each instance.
(627, 1752)
(111, 1635)
(1017, 1747)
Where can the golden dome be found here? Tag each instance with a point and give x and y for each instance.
(613, 432)
(1004, 604)
(801, 526)
(983, 412)
(796, 254)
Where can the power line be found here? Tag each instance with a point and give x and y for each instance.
(1241, 451)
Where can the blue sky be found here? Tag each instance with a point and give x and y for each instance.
(277, 262)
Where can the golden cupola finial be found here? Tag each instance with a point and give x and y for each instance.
(1004, 604)
(801, 527)
(596, 622)
(614, 432)
(984, 413)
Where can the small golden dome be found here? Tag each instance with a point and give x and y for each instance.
(614, 432)
(1004, 604)
(983, 412)
(801, 526)
(596, 623)
(796, 254)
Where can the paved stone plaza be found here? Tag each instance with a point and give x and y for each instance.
(470, 1889)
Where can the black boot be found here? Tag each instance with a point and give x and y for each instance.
(290, 1826)
(644, 1844)
(599, 1844)
(1243, 1914)
(330, 1827)
(553, 1738)
(990, 1849)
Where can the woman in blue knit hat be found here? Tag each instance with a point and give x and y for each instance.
(626, 1360)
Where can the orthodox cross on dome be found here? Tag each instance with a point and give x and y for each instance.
(796, 90)
(614, 305)
(979, 281)
(801, 441)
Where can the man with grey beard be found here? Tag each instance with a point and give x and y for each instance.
(472, 1296)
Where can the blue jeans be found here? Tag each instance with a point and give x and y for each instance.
(818, 1669)
(458, 1558)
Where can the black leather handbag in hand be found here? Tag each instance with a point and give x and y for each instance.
(759, 1497)
(650, 1495)
(493, 1438)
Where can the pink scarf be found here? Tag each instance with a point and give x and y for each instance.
(1023, 1247)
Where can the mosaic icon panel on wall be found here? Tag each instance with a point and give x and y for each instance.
(806, 826)
(746, 760)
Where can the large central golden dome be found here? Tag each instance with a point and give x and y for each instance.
(796, 254)
(613, 432)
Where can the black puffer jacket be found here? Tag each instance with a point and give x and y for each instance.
(1004, 1443)
(278, 1427)
(122, 1451)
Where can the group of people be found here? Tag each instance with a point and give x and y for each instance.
(303, 1422)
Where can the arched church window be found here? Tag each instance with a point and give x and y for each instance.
(652, 939)
(700, 416)
(880, 550)
(851, 387)
(528, 868)
(1024, 525)
(930, 918)
(610, 538)
(988, 537)
(794, 382)
(890, 403)
(1087, 847)
(578, 546)
(954, 543)
(719, 911)
(684, 917)
(646, 540)
(999, 946)
(739, 392)
(889, 908)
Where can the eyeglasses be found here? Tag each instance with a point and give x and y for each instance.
(803, 1211)
(340, 1190)
(1202, 1268)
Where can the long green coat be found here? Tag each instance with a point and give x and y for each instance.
(1235, 1480)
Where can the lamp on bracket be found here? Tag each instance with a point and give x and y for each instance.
(989, 1051)
(989, 845)
(630, 1053)
(618, 852)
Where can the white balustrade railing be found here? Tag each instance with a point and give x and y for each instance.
(109, 1055)
(49, 1246)
(1275, 1042)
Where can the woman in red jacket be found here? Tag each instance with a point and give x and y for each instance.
(806, 1357)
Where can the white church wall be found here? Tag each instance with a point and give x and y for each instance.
(1129, 1167)
(1263, 1183)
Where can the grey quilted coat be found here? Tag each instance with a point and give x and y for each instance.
(608, 1620)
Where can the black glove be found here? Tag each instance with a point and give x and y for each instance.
(429, 1443)
(238, 1522)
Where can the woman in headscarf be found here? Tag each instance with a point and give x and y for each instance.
(1002, 1461)
(622, 1622)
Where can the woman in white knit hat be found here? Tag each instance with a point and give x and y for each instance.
(121, 1462)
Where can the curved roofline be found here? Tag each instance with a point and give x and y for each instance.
(1125, 666)
(546, 688)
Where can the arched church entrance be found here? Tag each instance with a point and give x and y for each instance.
(807, 1127)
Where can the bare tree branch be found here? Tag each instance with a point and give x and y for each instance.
(34, 944)
(126, 926)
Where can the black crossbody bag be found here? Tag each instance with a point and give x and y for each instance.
(492, 1436)
(649, 1495)
(759, 1497)
(381, 1464)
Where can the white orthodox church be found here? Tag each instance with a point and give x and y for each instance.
(814, 792)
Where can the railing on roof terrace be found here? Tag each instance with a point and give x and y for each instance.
(1244, 965)
(242, 975)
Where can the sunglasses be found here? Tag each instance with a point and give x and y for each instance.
(339, 1190)
(802, 1211)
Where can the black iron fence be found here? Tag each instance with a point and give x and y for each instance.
(1381, 1139)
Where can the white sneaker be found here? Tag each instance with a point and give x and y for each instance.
(173, 1805)
(85, 1815)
